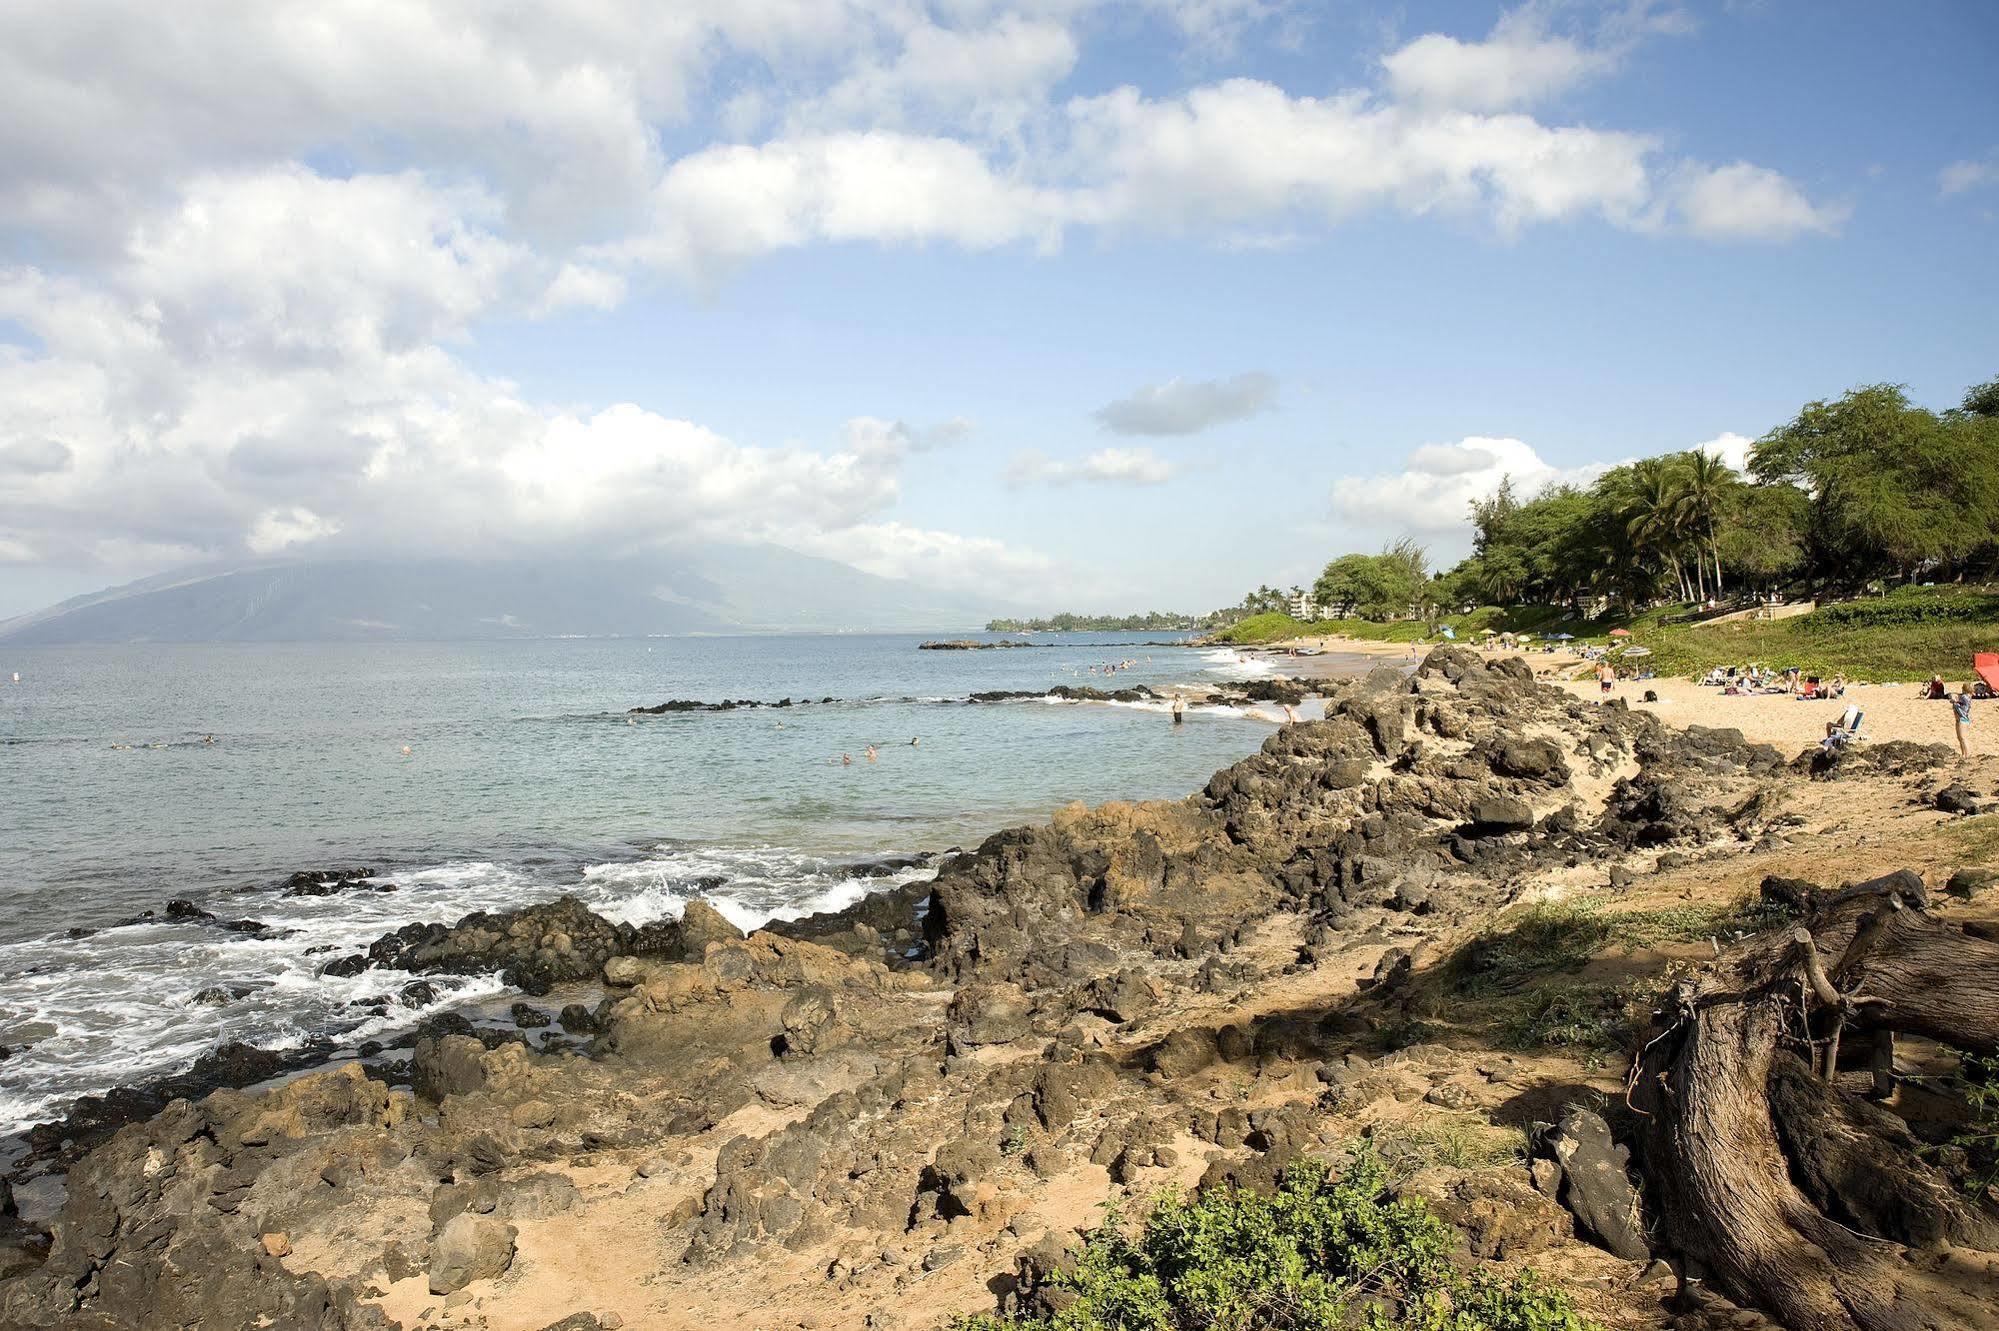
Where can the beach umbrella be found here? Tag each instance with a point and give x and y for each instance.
(1490, 633)
(1563, 637)
(1637, 651)
(1620, 633)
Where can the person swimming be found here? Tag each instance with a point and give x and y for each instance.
(870, 753)
(912, 741)
(846, 760)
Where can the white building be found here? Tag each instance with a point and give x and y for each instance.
(1304, 607)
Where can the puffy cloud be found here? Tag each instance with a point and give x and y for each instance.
(1518, 65)
(1522, 62)
(214, 393)
(1745, 202)
(1730, 447)
(227, 349)
(1181, 406)
(936, 558)
(1119, 466)
(106, 106)
(990, 78)
(1246, 152)
(1434, 490)
(1970, 174)
(726, 204)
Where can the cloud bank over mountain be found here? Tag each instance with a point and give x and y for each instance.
(253, 249)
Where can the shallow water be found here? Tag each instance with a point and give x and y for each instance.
(525, 778)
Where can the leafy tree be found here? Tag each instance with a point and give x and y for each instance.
(1344, 584)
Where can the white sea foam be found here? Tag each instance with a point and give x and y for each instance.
(1231, 664)
(118, 1007)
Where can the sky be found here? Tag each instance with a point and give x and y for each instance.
(1075, 305)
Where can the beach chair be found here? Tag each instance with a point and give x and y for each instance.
(1848, 732)
(1986, 666)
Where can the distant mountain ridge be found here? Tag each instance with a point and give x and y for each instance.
(737, 589)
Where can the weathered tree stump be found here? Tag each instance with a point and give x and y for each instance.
(1793, 1194)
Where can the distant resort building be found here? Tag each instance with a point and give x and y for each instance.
(1304, 607)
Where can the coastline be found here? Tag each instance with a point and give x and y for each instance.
(1103, 991)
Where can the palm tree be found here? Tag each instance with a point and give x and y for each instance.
(1706, 481)
(1656, 518)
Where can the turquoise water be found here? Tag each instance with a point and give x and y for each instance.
(524, 778)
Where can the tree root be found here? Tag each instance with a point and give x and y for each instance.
(1793, 1194)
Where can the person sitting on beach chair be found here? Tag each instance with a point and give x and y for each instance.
(1843, 731)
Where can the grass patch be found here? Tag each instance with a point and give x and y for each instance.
(1460, 1141)
(1518, 980)
(1550, 938)
(1326, 1253)
(1581, 1017)
(1974, 842)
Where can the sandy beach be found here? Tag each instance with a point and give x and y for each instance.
(1890, 711)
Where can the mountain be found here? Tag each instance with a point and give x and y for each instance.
(714, 590)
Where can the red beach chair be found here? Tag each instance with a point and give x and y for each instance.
(1987, 666)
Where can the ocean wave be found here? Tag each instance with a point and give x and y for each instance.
(124, 1005)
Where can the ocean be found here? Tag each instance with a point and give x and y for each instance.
(524, 778)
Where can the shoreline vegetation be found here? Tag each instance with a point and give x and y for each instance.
(1863, 540)
(1908, 634)
(1346, 1034)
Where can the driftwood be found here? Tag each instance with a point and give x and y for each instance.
(1786, 1189)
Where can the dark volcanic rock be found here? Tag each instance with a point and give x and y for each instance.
(1595, 1184)
(534, 948)
(1958, 798)
(327, 882)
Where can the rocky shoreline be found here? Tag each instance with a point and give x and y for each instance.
(883, 1115)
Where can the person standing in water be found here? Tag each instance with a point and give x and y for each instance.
(1179, 709)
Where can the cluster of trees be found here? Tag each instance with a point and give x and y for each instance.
(1867, 488)
(1153, 621)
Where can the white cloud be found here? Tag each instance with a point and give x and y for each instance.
(935, 558)
(279, 529)
(1970, 174)
(1433, 492)
(1519, 64)
(989, 78)
(1181, 406)
(1245, 151)
(216, 393)
(726, 204)
(229, 349)
(870, 436)
(1730, 447)
(1745, 202)
(1116, 466)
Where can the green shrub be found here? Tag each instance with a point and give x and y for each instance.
(1912, 605)
(1325, 1253)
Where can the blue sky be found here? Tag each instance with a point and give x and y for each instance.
(1070, 305)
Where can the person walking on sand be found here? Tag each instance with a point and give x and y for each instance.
(1960, 713)
(1606, 676)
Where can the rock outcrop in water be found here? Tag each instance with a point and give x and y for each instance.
(889, 1128)
(534, 948)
